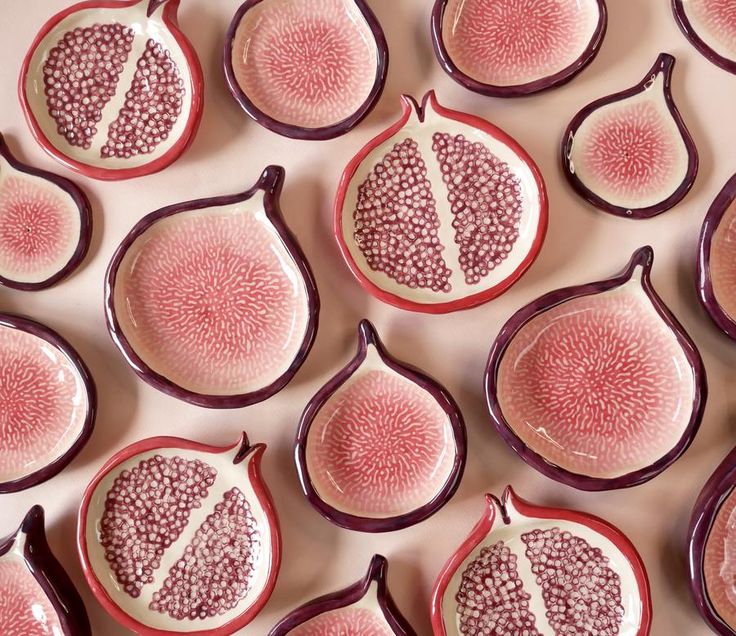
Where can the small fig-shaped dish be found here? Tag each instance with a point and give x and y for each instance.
(212, 301)
(365, 608)
(442, 211)
(180, 537)
(381, 446)
(598, 385)
(529, 569)
(38, 597)
(630, 154)
(308, 70)
(710, 25)
(516, 47)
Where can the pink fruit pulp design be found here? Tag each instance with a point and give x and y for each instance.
(346, 621)
(715, 23)
(722, 264)
(24, 607)
(719, 563)
(305, 64)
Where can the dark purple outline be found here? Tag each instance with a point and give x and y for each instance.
(300, 132)
(664, 64)
(517, 90)
(349, 596)
(85, 219)
(644, 257)
(691, 34)
(367, 335)
(271, 182)
(48, 335)
(50, 574)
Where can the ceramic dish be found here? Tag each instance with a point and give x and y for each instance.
(381, 446)
(38, 598)
(212, 301)
(113, 89)
(365, 608)
(630, 154)
(49, 403)
(510, 48)
(710, 25)
(309, 70)
(598, 385)
(178, 537)
(536, 570)
(442, 211)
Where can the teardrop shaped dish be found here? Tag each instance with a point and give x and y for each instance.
(307, 70)
(630, 154)
(212, 301)
(113, 90)
(47, 403)
(506, 578)
(443, 211)
(710, 25)
(38, 598)
(381, 446)
(365, 608)
(510, 48)
(597, 386)
(180, 537)
(45, 225)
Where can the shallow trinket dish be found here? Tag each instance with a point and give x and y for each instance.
(597, 386)
(113, 89)
(710, 25)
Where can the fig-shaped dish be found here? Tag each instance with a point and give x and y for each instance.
(364, 608)
(630, 153)
(381, 446)
(112, 88)
(442, 211)
(38, 597)
(511, 48)
(212, 301)
(307, 70)
(710, 25)
(179, 537)
(598, 385)
(48, 403)
(45, 225)
(510, 571)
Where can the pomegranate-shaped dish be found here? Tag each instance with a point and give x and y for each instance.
(365, 608)
(113, 89)
(308, 70)
(38, 598)
(47, 403)
(630, 153)
(442, 211)
(179, 537)
(598, 385)
(527, 569)
(710, 25)
(509, 48)
(381, 446)
(212, 301)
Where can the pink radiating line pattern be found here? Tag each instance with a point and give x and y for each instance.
(24, 607)
(719, 563)
(347, 621)
(722, 262)
(715, 22)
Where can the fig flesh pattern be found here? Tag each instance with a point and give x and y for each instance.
(347, 621)
(24, 607)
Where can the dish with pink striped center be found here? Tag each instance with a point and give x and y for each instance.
(710, 25)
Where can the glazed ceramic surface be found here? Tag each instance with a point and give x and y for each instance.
(710, 25)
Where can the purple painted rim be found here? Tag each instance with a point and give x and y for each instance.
(349, 596)
(49, 574)
(664, 64)
(367, 335)
(519, 90)
(271, 183)
(706, 293)
(85, 219)
(55, 340)
(642, 257)
(300, 132)
(678, 9)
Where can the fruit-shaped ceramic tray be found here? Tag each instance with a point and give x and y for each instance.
(442, 211)
(381, 446)
(710, 25)
(212, 301)
(597, 385)
(180, 537)
(537, 570)
(308, 70)
(38, 598)
(510, 48)
(113, 89)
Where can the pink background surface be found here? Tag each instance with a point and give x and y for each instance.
(582, 245)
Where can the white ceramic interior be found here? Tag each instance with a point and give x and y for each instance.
(719, 562)
(713, 22)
